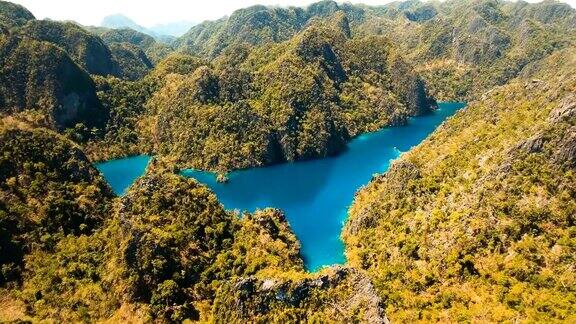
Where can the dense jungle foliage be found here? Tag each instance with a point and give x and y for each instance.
(48, 190)
(478, 222)
(462, 47)
(165, 251)
(475, 224)
(38, 78)
(296, 100)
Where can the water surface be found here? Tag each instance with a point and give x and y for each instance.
(315, 195)
(121, 173)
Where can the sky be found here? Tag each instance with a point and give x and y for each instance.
(148, 13)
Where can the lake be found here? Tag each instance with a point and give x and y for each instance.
(315, 195)
(121, 173)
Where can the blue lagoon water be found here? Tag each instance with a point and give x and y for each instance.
(315, 195)
(121, 173)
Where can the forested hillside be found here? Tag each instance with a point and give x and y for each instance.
(40, 79)
(475, 224)
(462, 47)
(165, 251)
(257, 25)
(299, 99)
(296, 100)
(48, 190)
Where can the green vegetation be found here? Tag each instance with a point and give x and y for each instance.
(258, 25)
(296, 100)
(133, 62)
(478, 44)
(12, 15)
(167, 252)
(48, 189)
(126, 131)
(477, 223)
(153, 50)
(473, 45)
(39, 77)
(338, 294)
(87, 50)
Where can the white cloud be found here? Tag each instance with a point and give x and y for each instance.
(148, 13)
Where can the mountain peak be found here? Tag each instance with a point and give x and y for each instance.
(175, 29)
(120, 21)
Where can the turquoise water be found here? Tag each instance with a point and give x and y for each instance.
(315, 195)
(121, 173)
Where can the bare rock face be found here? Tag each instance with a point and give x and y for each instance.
(533, 144)
(565, 111)
(338, 294)
(558, 140)
(566, 151)
(562, 119)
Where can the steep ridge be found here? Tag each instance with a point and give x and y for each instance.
(256, 25)
(13, 15)
(48, 189)
(154, 50)
(464, 48)
(86, 49)
(296, 100)
(477, 223)
(473, 45)
(39, 77)
(132, 61)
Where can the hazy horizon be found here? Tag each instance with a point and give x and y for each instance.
(149, 15)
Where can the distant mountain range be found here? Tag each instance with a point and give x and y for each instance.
(175, 29)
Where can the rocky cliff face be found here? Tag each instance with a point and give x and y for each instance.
(339, 294)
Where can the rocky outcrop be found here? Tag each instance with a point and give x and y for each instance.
(558, 140)
(566, 111)
(339, 293)
(566, 152)
(563, 117)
